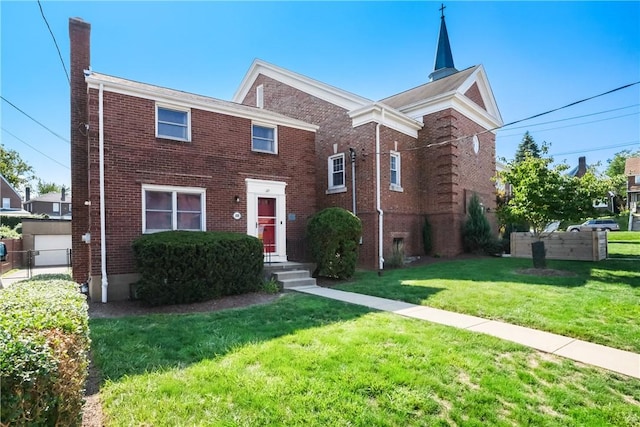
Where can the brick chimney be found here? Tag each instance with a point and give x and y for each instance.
(27, 194)
(62, 194)
(80, 47)
(582, 166)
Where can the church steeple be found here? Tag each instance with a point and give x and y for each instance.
(444, 59)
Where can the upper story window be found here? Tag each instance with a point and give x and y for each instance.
(6, 203)
(264, 138)
(394, 171)
(172, 208)
(637, 179)
(335, 173)
(173, 123)
(56, 207)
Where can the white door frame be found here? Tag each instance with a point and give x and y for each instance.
(273, 189)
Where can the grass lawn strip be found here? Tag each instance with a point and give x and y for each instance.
(309, 361)
(599, 304)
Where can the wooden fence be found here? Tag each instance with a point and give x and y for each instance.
(581, 246)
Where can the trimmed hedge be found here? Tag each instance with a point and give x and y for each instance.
(179, 267)
(334, 235)
(44, 345)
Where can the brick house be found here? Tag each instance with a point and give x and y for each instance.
(147, 158)
(422, 152)
(287, 146)
(632, 172)
(11, 200)
(54, 205)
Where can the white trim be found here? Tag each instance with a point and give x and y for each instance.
(331, 187)
(103, 213)
(387, 116)
(275, 137)
(395, 186)
(174, 207)
(188, 100)
(339, 97)
(273, 189)
(177, 109)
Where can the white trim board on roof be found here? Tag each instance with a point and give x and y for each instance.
(334, 95)
(380, 113)
(189, 100)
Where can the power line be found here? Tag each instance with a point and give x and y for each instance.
(607, 147)
(54, 42)
(14, 106)
(34, 148)
(573, 125)
(574, 117)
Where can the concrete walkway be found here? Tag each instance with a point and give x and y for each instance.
(23, 274)
(620, 361)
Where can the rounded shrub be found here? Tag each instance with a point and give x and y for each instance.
(334, 235)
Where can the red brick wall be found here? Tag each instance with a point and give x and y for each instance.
(6, 192)
(474, 94)
(218, 158)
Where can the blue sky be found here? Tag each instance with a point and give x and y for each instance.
(538, 56)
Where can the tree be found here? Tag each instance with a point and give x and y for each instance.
(527, 147)
(542, 194)
(48, 187)
(15, 170)
(476, 233)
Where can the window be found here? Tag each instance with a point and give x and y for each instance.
(173, 123)
(637, 179)
(263, 139)
(172, 208)
(56, 207)
(394, 171)
(336, 173)
(6, 203)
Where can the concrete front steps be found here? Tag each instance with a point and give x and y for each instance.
(290, 274)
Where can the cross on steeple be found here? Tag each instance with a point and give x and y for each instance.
(444, 59)
(442, 8)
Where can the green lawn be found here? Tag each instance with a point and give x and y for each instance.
(624, 244)
(601, 303)
(309, 361)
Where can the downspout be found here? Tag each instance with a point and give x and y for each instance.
(103, 233)
(352, 155)
(378, 206)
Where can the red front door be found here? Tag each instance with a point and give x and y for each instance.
(267, 223)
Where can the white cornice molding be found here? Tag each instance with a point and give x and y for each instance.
(334, 95)
(187, 100)
(387, 116)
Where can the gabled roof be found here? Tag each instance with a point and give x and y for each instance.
(449, 92)
(190, 100)
(632, 166)
(52, 198)
(10, 186)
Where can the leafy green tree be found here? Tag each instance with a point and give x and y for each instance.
(527, 147)
(542, 194)
(15, 170)
(48, 187)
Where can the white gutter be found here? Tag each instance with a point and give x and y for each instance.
(352, 156)
(378, 207)
(103, 242)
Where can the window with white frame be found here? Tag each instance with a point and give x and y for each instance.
(264, 138)
(336, 171)
(173, 123)
(394, 171)
(56, 207)
(172, 208)
(637, 179)
(6, 203)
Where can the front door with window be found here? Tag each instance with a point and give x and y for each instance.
(266, 210)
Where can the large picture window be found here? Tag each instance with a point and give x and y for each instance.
(172, 208)
(173, 123)
(264, 138)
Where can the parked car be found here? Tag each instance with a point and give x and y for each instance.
(596, 224)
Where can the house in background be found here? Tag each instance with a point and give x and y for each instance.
(11, 199)
(53, 205)
(148, 158)
(632, 172)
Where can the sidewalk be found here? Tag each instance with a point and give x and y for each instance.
(620, 361)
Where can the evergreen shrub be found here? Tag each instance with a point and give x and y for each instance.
(44, 345)
(179, 267)
(334, 235)
(476, 233)
(426, 236)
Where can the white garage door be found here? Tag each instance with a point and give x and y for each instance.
(51, 250)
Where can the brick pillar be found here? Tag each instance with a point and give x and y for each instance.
(79, 37)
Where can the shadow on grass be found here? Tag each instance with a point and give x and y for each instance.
(135, 345)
